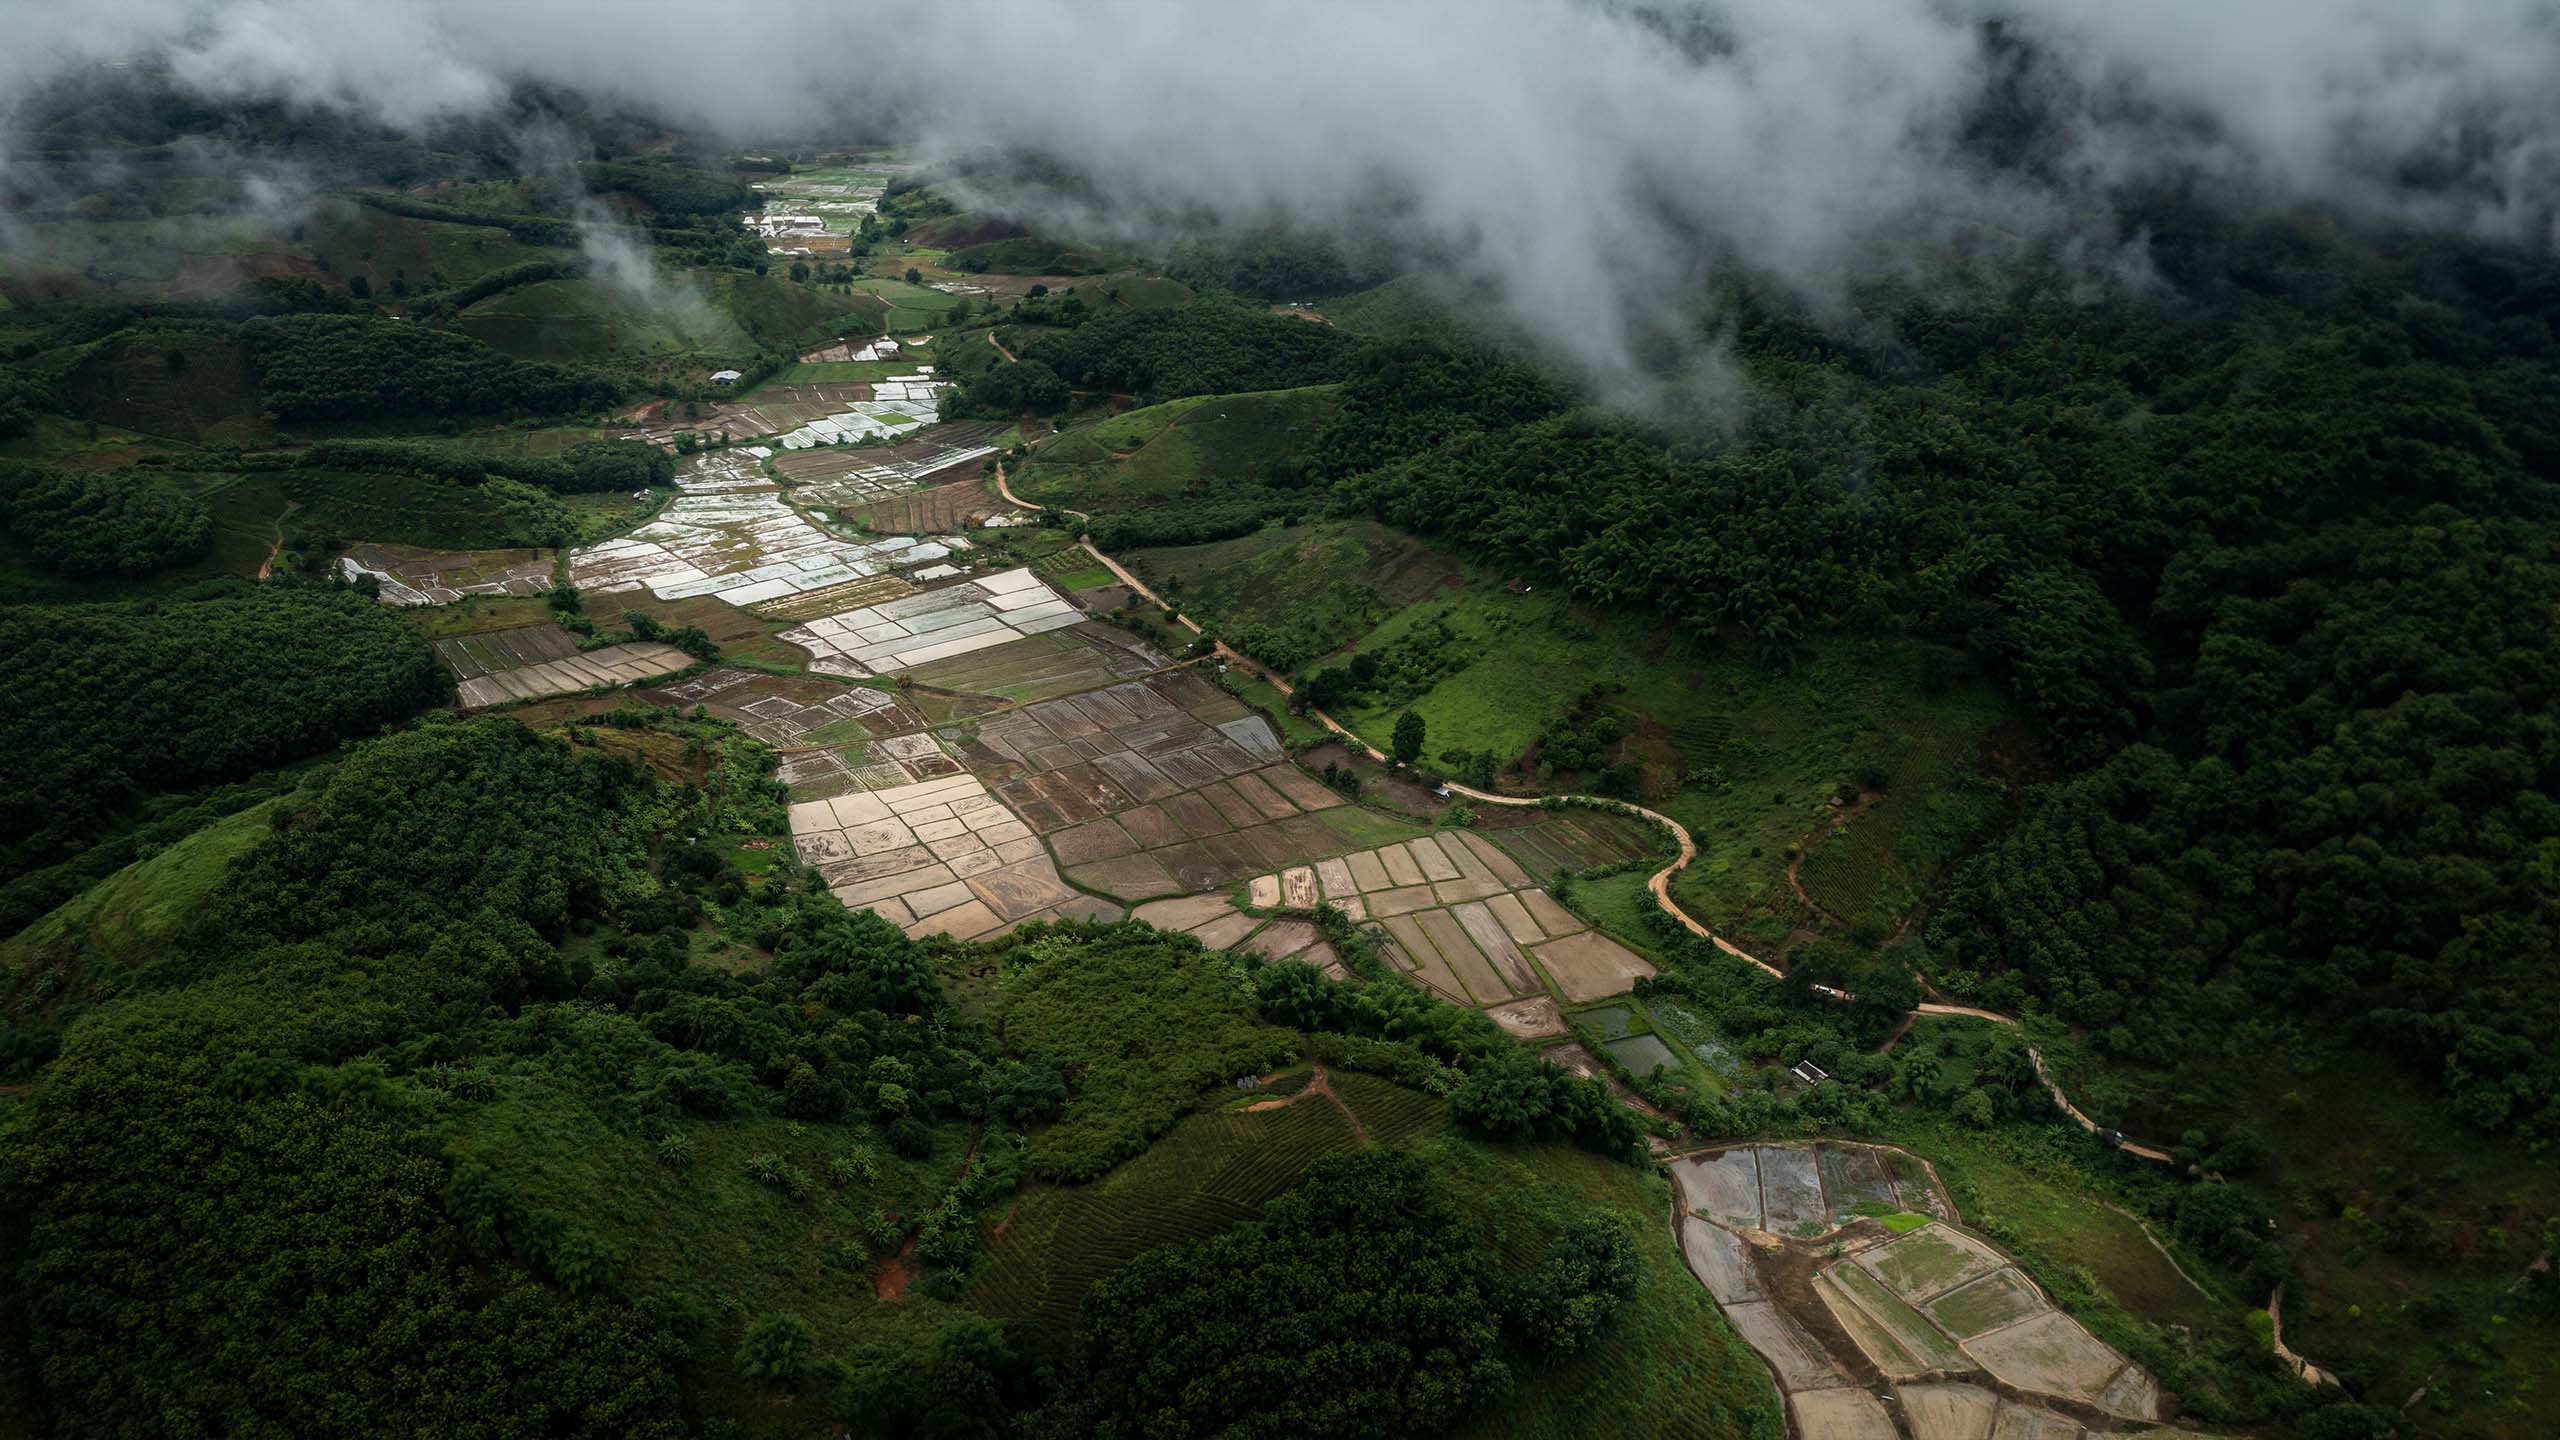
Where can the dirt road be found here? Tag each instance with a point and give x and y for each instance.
(1659, 882)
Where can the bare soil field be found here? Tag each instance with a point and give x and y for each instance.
(793, 710)
(612, 665)
(963, 504)
(943, 857)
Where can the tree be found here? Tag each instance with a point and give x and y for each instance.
(776, 1350)
(914, 276)
(1409, 737)
(1364, 1263)
(1565, 1304)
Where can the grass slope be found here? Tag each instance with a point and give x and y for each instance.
(1159, 451)
(1668, 1366)
(1307, 588)
(133, 914)
(1748, 757)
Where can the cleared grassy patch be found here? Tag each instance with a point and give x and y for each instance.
(1750, 757)
(1157, 452)
(1291, 594)
(133, 914)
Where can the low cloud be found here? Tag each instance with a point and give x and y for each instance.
(1584, 165)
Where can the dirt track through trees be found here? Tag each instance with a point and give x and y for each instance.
(1320, 1084)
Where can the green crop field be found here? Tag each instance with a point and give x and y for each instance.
(912, 308)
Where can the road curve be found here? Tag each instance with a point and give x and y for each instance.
(1659, 882)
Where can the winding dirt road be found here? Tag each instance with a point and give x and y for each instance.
(1659, 882)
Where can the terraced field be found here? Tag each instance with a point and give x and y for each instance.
(1561, 840)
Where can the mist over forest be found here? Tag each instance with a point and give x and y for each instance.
(1076, 719)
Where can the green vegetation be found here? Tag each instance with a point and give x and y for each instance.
(336, 367)
(129, 522)
(147, 697)
(1188, 448)
(1402, 1337)
(1292, 594)
(2175, 677)
(1146, 1026)
(1206, 347)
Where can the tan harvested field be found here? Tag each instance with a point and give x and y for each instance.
(941, 857)
(1969, 1412)
(963, 504)
(612, 665)
(1529, 1018)
(1840, 1414)
(2051, 1354)
(1590, 965)
(1215, 922)
(411, 575)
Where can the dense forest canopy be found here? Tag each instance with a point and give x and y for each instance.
(116, 701)
(2130, 563)
(2267, 575)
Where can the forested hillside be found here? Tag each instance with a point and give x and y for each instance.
(2266, 575)
(1700, 721)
